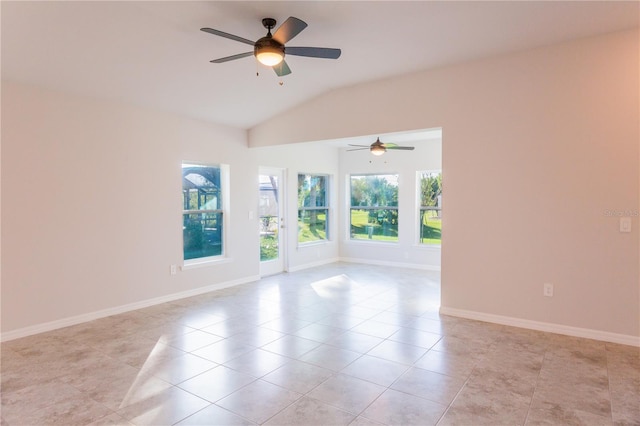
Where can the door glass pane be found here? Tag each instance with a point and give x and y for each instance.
(268, 222)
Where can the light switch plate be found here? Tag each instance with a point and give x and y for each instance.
(625, 224)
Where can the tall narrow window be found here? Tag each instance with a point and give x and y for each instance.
(313, 208)
(430, 187)
(374, 207)
(202, 216)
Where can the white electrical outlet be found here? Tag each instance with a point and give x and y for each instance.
(174, 269)
(548, 290)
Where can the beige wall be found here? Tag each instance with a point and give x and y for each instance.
(91, 204)
(537, 146)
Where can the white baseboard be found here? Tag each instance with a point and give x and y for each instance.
(313, 264)
(394, 264)
(66, 322)
(623, 339)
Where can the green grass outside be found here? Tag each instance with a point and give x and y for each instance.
(268, 247)
(430, 232)
(308, 232)
(430, 228)
(360, 228)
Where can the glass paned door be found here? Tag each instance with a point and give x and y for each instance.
(271, 221)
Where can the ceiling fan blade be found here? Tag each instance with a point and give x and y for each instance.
(282, 69)
(406, 148)
(231, 58)
(227, 35)
(289, 29)
(361, 146)
(358, 149)
(314, 52)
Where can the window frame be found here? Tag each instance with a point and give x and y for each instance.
(325, 208)
(351, 207)
(222, 210)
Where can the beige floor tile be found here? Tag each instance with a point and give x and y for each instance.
(259, 336)
(397, 408)
(550, 414)
(163, 408)
(376, 329)
(458, 346)
(375, 370)
(259, 401)
(330, 357)
(214, 415)
(394, 318)
(217, 383)
(430, 325)
(347, 393)
(289, 376)
(18, 404)
(398, 352)
(355, 342)
(625, 399)
(123, 390)
(257, 363)
(224, 350)
(230, 327)
(477, 405)
(429, 385)
(291, 346)
(344, 322)
(193, 341)
(79, 410)
(450, 364)
(113, 419)
(177, 370)
(412, 336)
(311, 412)
(319, 332)
(574, 394)
(363, 421)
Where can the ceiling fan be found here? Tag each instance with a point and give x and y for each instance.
(270, 49)
(379, 148)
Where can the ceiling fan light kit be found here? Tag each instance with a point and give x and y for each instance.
(270, 49)
(378, 148)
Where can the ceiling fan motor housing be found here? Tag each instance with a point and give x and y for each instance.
(268, 44)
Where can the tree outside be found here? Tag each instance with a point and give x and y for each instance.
(312, 208)
(430, 208)
(374, 207)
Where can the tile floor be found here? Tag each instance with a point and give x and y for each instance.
(342, 344)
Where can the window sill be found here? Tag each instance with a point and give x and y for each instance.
(428, 247)
(314, 243)
(372, 242)
(204, 263)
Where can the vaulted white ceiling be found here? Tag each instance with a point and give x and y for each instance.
(154, 54)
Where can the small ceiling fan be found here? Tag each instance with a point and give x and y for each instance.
(270, 49)
(379, 148)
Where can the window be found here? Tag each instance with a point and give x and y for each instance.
(430, 187)
(202, 216)
(313, 208)
(374, 207)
